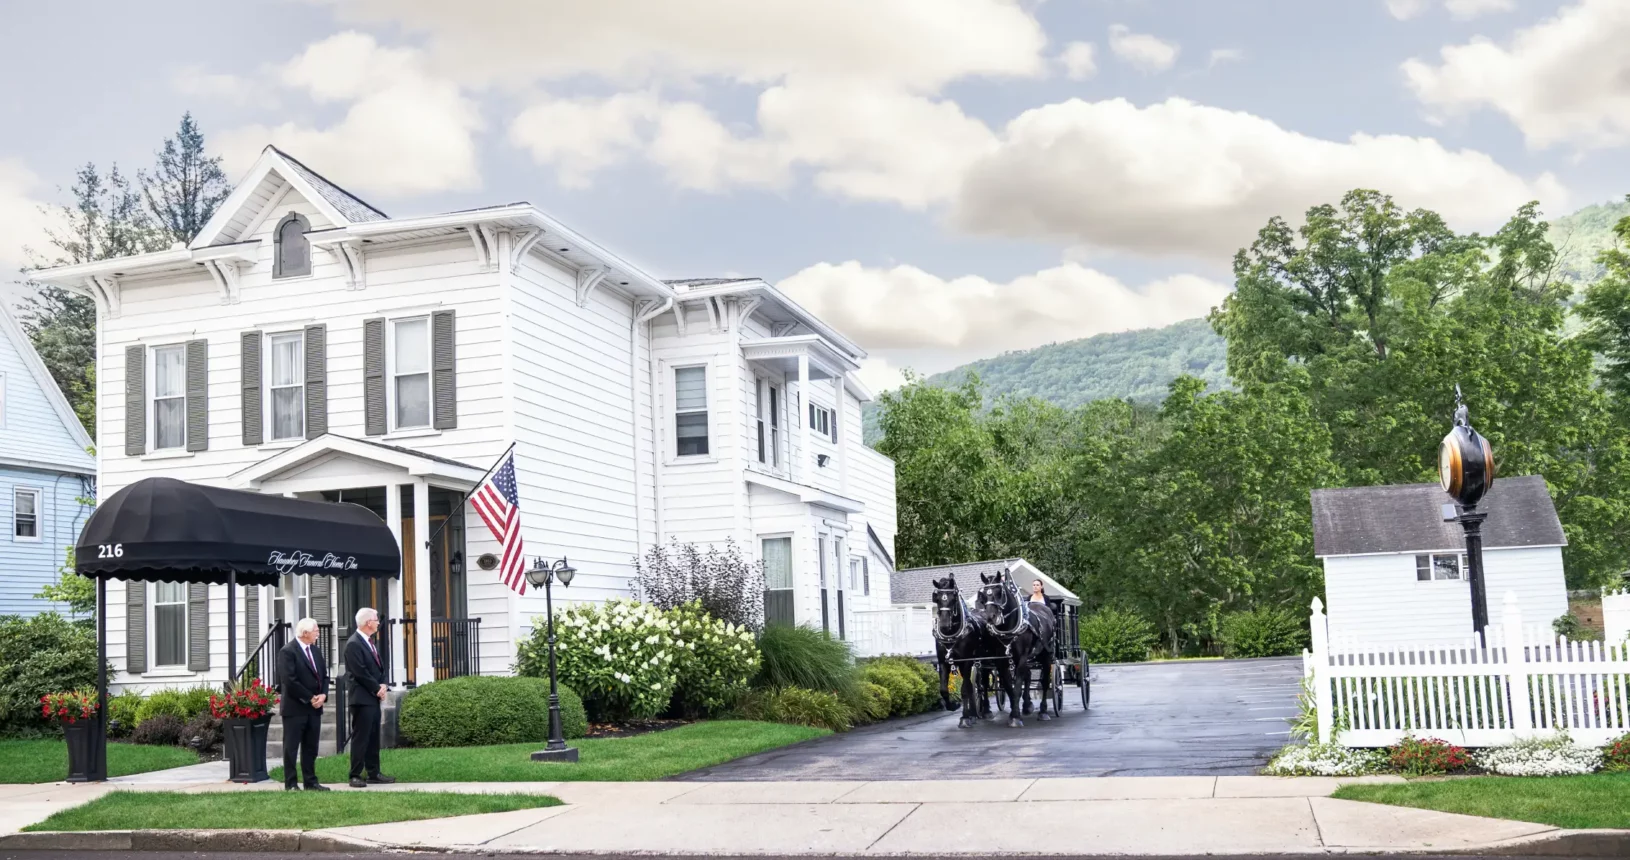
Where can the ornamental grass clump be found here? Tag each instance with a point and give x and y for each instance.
(618, 655)
(1326, 760)
(1556, 755)
(715, 661)
(1414, 756)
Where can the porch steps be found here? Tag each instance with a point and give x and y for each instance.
(326, 741)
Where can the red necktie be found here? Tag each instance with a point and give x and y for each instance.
(373, 649)
(310, 659)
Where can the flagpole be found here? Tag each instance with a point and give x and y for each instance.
(430, 541)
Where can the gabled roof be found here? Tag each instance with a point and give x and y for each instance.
(315, 450)
(82, 461)
(916, 585)
(877, 542)
(702, 288)
(354, 208)
(1407, 518)
(271, 174)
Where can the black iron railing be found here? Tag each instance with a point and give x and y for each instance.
(262, 662)
(388, 643)
(455, 647)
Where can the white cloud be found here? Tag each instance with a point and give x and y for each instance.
(1404, 10)
(1142, 51)
(234, 89)
(1462, 10)
(1225, 55)
(859, 142)
(22, 224)
(917, 44)
(1563, 80)
(1080, 60)
(1181, 177)
(405, 131)
(907, 309)
(880, 374)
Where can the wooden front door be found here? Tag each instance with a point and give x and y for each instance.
(410, 600)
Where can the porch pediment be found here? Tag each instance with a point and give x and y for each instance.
(337, 462)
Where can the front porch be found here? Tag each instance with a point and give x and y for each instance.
(427, 631)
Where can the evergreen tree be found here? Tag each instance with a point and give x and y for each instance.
(186, 185)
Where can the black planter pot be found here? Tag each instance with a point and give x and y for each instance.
(83, 751)
(245, 742)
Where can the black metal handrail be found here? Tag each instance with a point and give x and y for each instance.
(455, 647)
(262, 662)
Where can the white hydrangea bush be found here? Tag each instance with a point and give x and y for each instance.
(618, 655)
(1326, 760)
(1556, 755)
(717, 659)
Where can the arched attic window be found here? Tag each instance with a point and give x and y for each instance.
(291, 250)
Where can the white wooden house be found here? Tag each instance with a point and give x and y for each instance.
(307, 344)
(1395, 571)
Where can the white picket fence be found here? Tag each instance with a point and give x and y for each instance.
(1516, 683)
(896, 630)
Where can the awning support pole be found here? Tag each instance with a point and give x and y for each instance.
(98, 770)
(231, 628)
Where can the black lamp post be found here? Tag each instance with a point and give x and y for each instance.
(1466, 471)
(545, 575)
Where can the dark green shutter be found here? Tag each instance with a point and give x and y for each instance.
(443, 365)
(198, 396)
(197, 626)
(135, 401)
(251, 623)
(250, 352)
(322, 609)
(373, 377)
(316, 380)
(135, 627)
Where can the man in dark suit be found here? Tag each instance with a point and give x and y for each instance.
(365, 673)
(302, 673)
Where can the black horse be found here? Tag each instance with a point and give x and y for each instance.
(960, 641)
(1026, 631)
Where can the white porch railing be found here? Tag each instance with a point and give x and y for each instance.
(896, 630)
(1518, 683)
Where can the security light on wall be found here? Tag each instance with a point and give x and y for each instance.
(820, 459)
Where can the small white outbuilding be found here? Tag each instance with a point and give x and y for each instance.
(1395, 572)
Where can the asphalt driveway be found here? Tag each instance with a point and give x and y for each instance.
(1208, 717)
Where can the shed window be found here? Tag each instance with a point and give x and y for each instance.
(1439, 566)
(291, 250)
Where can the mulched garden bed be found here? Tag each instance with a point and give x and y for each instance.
(632, 727)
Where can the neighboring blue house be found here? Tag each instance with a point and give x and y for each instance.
(45, 468)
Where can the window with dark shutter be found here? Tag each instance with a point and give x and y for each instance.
(197, 395)
(373, 377)
(444, 362)
(197, 626)
(291, 250)
(249, 355)
(135, 627)
(316, 380)
(135, 401)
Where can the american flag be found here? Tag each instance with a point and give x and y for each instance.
(499, 505)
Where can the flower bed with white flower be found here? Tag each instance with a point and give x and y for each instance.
(618, 655)
(1556, 755)
(716, 660)
(1326, 760)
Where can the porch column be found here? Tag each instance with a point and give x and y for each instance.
(398, 634)
(800, 463)
(426, 670)
(839, 401)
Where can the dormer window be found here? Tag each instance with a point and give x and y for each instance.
(291, 250)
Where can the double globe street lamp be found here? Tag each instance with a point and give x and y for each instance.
(543, 574)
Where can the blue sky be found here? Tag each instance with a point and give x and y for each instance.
(942, 179)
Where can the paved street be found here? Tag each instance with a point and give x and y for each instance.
(1213, 717)
(207, 855)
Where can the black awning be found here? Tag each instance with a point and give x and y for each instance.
(162, 529)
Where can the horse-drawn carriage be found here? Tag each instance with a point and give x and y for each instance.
(1006, 644)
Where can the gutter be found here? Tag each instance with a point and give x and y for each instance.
(634, 423)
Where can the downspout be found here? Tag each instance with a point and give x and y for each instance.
(634, 423)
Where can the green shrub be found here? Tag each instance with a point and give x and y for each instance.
(618, 655)
(929, 695)
(1112, 635)
(202, 733)
(1265, 632)
(122, 709)
(1616, 755)
(40, 655)
(163, 730)
(478, 710)
(804, 657)
(797, 706)
(876, 699)
(183, 704)
(905, 689)
(715, 661)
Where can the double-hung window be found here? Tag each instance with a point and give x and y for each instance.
(410, 373)
(820, 421)
(169, 397)
(1439, 566)
(769, 423)
(169, 623)
(690, 411)
(286, 384)
(25, 514)
(777, 557)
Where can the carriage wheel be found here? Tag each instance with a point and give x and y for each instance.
(1058, 688)
(1086, 689)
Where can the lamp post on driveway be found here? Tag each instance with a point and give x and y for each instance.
(545, 575)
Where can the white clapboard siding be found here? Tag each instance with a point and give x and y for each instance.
(1519, 681)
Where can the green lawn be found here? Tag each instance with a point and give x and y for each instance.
(632, 759)
(1592, 800)
(276, 810)
(47, 760)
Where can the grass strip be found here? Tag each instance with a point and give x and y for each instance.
(1586, 801)
(276, 810)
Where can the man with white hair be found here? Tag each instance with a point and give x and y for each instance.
(365, 673)
(302, 673)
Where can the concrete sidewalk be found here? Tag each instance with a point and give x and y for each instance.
(1130, 815)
